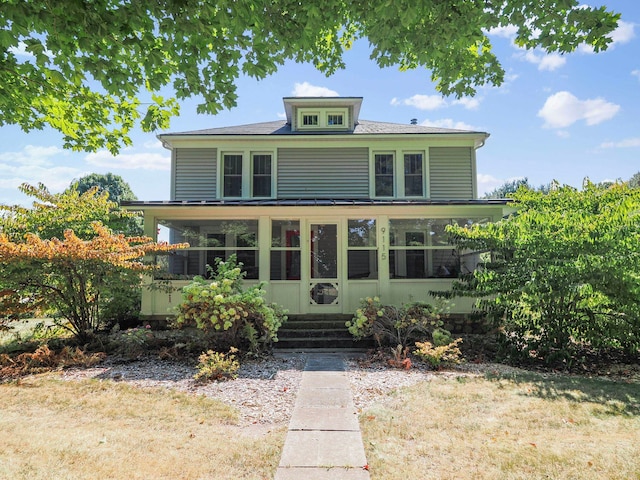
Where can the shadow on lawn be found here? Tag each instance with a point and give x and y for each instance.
(614, 397)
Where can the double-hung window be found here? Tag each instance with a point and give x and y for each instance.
(413, 175)
(247, 174)
(384, 178)
(232, 175)
(261, 171)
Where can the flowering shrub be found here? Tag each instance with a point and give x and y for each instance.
(440, 355)
(217, 365)
(234, 316)
(391, 325)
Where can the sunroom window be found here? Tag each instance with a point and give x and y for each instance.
(285, 250)
(211, 239)
(362, 253)
(420, 248)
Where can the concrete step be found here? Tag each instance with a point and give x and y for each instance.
(325, 333)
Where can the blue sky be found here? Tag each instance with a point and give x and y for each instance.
(555, 117)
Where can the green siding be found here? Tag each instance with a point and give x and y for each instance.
(323, 172)
(195, 174)
(451, 173)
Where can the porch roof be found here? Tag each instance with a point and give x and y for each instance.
(309, 202)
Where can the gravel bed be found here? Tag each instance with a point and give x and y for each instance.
(265, 391)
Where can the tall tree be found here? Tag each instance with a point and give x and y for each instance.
(634, 181)
(92, 70)
(119, 190)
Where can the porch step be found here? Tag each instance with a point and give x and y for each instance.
(317, 333)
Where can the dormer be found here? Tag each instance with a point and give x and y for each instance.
(322, 114)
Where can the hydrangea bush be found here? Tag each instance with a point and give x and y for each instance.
(234, 316)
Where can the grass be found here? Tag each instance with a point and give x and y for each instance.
(526, 426)
(54, 429)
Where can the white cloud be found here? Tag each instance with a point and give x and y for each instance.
(563, 134)
(35, 164)
(624, 33)
(282, 115)
(32, 155)
(470, 103)
(434, 102)
(130, 161)
(544, 62)
(621, 35)
(422, 102)
(510, 31)
(487, 183)
(636, 73)
(153, 144)
(563, 109)
(305, 89)
(626, 143)
(449, 123)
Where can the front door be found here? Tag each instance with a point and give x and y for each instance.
(324, 268)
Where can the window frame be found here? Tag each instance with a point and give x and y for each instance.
(375, 174)
(252, 156)
(223, 173)
(422, 175)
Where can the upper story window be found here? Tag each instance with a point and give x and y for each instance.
(247, 175)
(232, 174)
(310, 120)
(383, 174)
(261, 180)
(413, 177)
(335, 119)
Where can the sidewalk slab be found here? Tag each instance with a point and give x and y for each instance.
(324, 397)
(324, 418)
(322, 474)
(323, 449)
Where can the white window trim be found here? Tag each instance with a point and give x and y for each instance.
(323, 118)
(372, 175)
(221, 173)
(273, 172)
(398, 173)
(247, 172)
(424, 174)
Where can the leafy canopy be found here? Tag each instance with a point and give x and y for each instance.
(119, 190)
(93, 70)
(51, 214)
(565, 270)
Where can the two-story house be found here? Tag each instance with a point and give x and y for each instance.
(324, 207)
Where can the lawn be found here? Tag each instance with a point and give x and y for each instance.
(54, 429)
(520, 426)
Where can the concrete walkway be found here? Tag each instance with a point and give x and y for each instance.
(324, 440)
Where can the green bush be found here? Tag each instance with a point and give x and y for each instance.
(233, 316)
(217, 366)
(391, 326)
